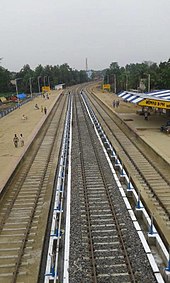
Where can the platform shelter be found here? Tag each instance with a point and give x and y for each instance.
(156, 99)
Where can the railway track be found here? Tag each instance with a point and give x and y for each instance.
(147, 171)
(25, 204)
(102, 249)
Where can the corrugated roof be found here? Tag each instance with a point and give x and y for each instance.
(163, 95)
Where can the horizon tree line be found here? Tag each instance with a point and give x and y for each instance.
(152, 75)
(41, 76)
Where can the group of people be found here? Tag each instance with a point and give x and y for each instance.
(18, 140)
(116, 103)
(43, 109)
(45, 95)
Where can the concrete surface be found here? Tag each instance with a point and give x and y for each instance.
(14, 124)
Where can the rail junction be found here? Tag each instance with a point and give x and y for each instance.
(72, 210)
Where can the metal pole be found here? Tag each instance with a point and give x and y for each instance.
(115, 83)
(39, 84)
(44, 80)
(30, 87)
(17, 90)
(149, 82)
(49, 81)
(126, 81)
(151, 226)
(16, 87)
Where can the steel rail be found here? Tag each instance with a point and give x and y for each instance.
(99, 162)
(94, 272)
(33, 208)
(133, 161)
(26, 168)
(28, 227)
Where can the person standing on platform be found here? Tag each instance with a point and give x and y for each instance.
(45, 110)
(117, 103)
(15, 140)
(146, 115)
(21, 140)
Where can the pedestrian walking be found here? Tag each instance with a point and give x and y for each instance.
(117, 103)
(45, 110)
(21, 140)
(15, 140)
(146, 115)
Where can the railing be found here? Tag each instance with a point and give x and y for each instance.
(53, 256)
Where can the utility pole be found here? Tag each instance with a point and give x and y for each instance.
(49, 81)
(149, 82)
(39, 90)
(16, 86)
(86, 65)
(30, 87)
(115, 83)
(45, 80)
(126, 79)
(108, 79)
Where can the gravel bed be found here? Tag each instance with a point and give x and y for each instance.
(80, 270)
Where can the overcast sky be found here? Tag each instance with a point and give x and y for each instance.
(67, 31)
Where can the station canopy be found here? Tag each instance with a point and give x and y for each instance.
(21, 96)
(156, 99)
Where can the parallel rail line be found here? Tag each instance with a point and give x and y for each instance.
(139, 164)
(105, 249)
(21, 204)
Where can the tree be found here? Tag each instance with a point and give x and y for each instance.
(4, 80)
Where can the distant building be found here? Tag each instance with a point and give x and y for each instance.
(89, 73)
(59, 86)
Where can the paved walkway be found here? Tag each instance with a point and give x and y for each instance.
(14, 124)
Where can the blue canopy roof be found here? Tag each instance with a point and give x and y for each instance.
(21, 95)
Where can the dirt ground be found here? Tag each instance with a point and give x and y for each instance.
(13, 124)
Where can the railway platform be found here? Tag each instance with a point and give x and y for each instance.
(149, 131)
(13, 123)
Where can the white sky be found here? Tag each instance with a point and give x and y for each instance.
(67, 31)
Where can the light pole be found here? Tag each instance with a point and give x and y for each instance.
(49, 81)
(39, 84)
(149, 82)
(16, 85)
(115, 83)
(30, 87)
(44, 79)
(126, 82)
(126, 79)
